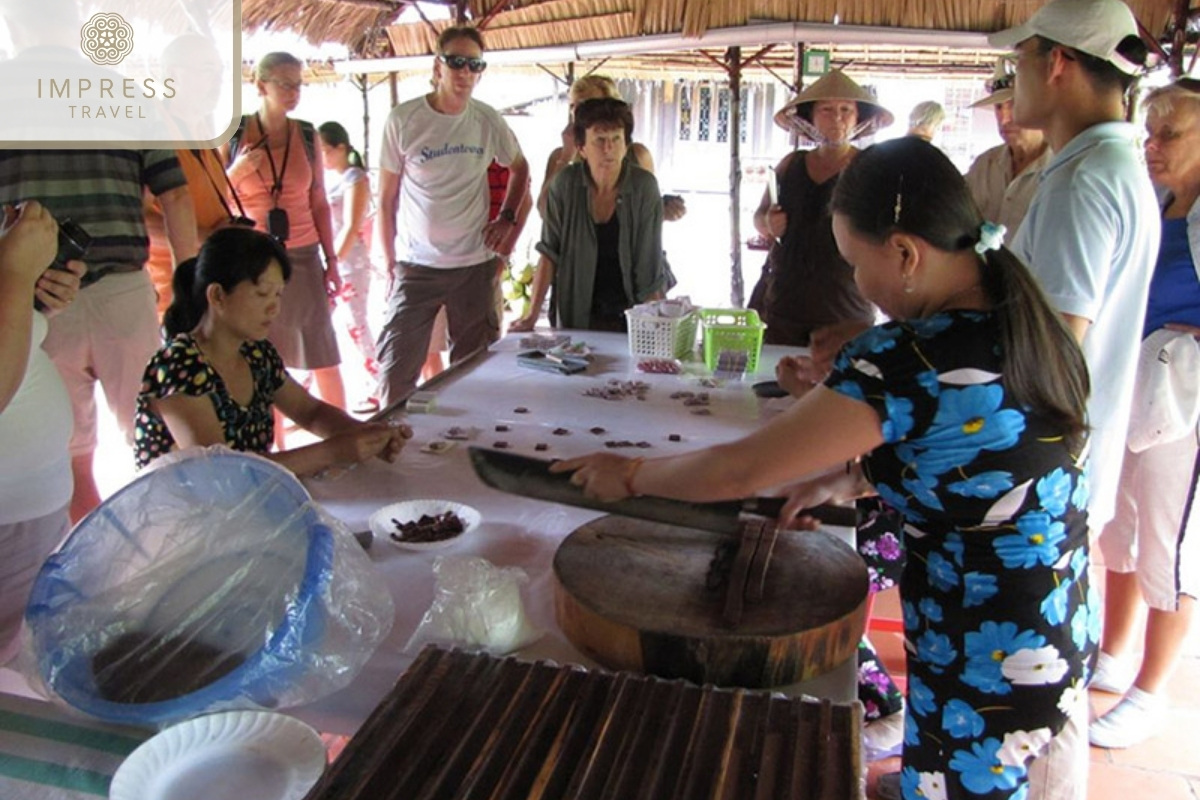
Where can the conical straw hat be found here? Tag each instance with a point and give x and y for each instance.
(836, 85)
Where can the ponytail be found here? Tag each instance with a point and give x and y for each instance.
(186, 309)
(909, 185)
(1044, 368)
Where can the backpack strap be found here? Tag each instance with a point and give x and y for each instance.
(309, 134)
(235, 142)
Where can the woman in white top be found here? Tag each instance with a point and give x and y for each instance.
(35, 412)
(349, 191)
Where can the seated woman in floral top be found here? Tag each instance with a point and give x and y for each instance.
(968, 412)
(217, 378)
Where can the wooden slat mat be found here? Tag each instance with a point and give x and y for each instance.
(463, 725)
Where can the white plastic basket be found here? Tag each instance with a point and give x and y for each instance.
(661, 337)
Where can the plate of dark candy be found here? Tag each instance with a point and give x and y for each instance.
(423, 524)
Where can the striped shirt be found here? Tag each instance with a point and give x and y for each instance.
(101, 190)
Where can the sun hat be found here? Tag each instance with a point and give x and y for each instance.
(999, 86)
(836, 85)
(1095, 27)
(1166, 396)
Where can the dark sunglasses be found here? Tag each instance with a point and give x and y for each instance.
(463, 62)
(1000, 83)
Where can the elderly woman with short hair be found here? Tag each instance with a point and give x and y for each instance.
(601, 245)
(1150, 546)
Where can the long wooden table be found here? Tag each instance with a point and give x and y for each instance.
(531, 405)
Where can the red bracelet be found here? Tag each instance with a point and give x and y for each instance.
(631, 470)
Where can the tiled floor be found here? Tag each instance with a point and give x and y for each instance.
(1164, 768)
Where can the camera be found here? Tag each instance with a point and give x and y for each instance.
(278, 225)
(73, 242)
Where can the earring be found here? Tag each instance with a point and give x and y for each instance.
(908, 283)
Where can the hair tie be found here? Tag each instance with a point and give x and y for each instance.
(991, 237)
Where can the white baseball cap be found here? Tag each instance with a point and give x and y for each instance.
(1166, 396)
(1095, 27)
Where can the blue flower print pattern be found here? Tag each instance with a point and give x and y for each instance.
(920, 698)
(1054, 607)
(1094, 622)
(1079, 627)
(928, 380)
(898, 501)
(956, 547)
(912, 621)
(931, 610)
(1053, 491)
(923, 493)
(911, 737)
(978, 588)
(981, 768)
(960, 720)
(899, 417)
(879, 339)
(930, 326)
(851, 390)
(986, 650)
(942, 574)
(985, 485)
(1035, 542)
(968, 421)
(910, 784)
(1079, 497)
(936, 650)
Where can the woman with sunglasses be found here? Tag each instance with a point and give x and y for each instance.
(277, 170)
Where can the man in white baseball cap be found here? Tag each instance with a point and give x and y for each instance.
(1091, 237)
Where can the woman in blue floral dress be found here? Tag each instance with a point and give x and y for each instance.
(968, 412)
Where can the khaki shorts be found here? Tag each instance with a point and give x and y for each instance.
(108, 335)
(1155, 530)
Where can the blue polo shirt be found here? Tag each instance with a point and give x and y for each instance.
(1091, 238)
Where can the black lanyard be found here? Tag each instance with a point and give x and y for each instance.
(276, 177)
(217, 189)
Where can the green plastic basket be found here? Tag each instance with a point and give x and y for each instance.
(731, 331)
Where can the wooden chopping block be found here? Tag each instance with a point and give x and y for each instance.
(631, 594)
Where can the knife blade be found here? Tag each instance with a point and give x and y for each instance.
(531, 477)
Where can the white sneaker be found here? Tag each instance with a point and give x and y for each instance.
(1113, 675)
(1135, 719)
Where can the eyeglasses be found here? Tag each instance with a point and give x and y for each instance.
(287, 86)
(476, 65)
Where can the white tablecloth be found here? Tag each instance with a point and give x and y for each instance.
(516, 531)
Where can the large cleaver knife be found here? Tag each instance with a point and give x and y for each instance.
(531, 477)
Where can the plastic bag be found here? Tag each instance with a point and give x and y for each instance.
(476, 605)
(211, 583)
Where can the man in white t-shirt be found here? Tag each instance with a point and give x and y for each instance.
(440, 248)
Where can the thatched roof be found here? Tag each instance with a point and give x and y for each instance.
(366, 26)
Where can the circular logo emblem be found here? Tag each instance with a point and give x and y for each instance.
(106, 38)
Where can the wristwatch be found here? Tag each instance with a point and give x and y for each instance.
(508, 215)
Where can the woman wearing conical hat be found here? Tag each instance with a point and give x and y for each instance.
(810, 297)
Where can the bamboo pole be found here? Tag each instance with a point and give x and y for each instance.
(733, 59)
